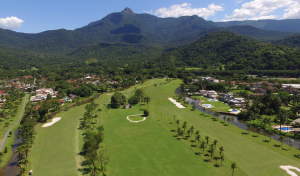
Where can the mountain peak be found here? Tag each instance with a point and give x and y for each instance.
(128, 11)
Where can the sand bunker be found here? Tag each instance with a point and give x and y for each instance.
(136, 121)
(54, 120)
(179, 105)
(287, 169)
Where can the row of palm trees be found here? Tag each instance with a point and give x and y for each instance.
(94, 155)
(202, 143)
(26, 131)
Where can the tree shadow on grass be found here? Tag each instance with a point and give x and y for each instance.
(193, 145)
(173, 130)
(206, 160)
(267, 141)
(254, 135)
(217, 165)
(171, 123)
(276, 145)
(192, 141)
(285, 149)
(197, 153)
(84, 171)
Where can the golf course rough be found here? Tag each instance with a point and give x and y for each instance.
(151, 148)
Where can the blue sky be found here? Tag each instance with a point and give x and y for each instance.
(33, 16)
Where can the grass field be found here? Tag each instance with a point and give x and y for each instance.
(238, 91)
(149, 147)
(193, 68)
(10, 139)
(218, 105)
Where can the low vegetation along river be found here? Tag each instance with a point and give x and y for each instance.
(236, 122)
(12, 168)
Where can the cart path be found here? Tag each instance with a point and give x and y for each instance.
(21, 114)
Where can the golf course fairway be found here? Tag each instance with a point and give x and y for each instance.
(150, 147)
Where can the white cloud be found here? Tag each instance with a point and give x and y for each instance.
(262, 9)
(11, 22)
(239, 1)
(185, 9)
(293, 11)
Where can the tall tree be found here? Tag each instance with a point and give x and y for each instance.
(233, 167)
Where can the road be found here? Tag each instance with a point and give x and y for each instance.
(21, 114)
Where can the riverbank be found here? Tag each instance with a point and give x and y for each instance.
(10, 139)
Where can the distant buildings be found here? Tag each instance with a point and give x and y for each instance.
(41, 94)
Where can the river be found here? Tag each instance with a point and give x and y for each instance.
(236, 122)
(12, 168)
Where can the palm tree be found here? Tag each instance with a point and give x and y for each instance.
(207, 139)
(281, 118)
(184, 125)
(222, 158)
(22, 171)
(95, 169)
(202, 145)
(147, 100)
(198, 138)
(192, 130)
(216, 114)
(177, 122)
(281, 139)
(174, 116)
(189, 133)
(215, 142)
(221, 150)
(178, 131)
(258, 130)
(233, 167)
(197, 132)
(211, 150)
(270, 133)
(228, 119)
(224, 118)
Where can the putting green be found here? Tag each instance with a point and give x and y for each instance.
(150, 148)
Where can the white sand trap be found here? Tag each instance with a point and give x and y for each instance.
(107, 94)
(136, 121)
(287, 169)
(179, 105)
(54, 120)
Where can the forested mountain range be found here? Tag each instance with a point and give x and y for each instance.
(288, 25)
(142, 29)
(291, 41)
(125, 38)
(225, 50)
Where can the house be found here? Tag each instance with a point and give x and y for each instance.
(226, 97)
(204, 92)
(256, 85)
(195, 80)
(256, 95)
(237, 102)
(212, 94)
(71, 96)
(261, 90)
(265, 77)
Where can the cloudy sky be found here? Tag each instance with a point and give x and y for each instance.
(33, 16)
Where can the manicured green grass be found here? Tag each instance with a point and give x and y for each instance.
(238, 91)
(136, 118)
(193, 68)
(218, 105)
(150, 148)
(10, 139)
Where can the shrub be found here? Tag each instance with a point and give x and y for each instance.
(146, 112)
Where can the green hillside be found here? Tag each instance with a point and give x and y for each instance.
(235, 52)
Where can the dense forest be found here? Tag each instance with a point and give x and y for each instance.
(145, 45)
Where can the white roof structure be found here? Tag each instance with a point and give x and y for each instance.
(291, 85)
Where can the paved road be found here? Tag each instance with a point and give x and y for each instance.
(21, 114)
